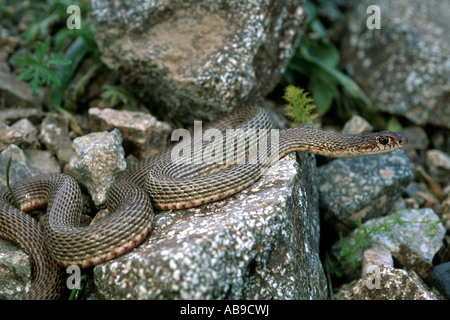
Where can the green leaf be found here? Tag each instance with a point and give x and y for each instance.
(323, 95)
(40, 70)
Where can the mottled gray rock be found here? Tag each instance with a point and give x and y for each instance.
(20, 167)
(15, 268)
(363, 188)
(417, 229)
(439, 277)
(142, 134)
(404, 67)
(201, 58)
(99, 157)
(259, 244)
(386, 283)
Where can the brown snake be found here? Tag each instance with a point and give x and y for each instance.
(157, 182)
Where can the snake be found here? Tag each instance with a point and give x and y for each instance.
(166, 181)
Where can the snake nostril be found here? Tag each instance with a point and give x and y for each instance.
(383, 140)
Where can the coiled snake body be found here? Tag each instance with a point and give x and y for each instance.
(158, 182)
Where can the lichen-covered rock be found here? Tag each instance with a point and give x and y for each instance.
(15, 268)
(404, 67)
(201, 58)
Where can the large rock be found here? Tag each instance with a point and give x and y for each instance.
(404, 67)
(201, 58)
(262, 243)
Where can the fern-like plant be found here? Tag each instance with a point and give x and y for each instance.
(300, 107)
(39, 69)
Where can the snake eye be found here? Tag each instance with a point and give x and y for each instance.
(383, 140)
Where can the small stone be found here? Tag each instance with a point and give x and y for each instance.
(20, 168)
(55, 132)
(22, 134)
(408, 259)
(385, 283)
(357, 124)
(99, 157)
(376, 257)
(142, 134)
(439, 277)
(439, 164)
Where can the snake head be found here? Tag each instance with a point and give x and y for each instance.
(384, 141)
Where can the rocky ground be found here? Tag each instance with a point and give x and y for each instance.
(368, 228)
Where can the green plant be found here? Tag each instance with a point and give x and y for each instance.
(40, 68)
(299, 106)
(54, 62)
(48, 16)
(79, 289)
(115, 94)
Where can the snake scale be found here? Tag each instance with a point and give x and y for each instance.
(158, 182)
